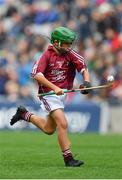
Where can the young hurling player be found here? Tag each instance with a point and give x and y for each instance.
(55, 71)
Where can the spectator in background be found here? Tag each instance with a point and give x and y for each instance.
(83, 10)
(2, 35)
(113, 40)
(105, 17)
(3, 75)
(24, 68)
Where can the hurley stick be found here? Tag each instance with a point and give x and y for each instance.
(82, 89)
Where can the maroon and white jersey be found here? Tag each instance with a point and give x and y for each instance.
(58, 69)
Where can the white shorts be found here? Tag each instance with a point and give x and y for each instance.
(52, 102)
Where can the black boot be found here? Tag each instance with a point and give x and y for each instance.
(71, 162)
(18, 115)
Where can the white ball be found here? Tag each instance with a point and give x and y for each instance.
(110, 78)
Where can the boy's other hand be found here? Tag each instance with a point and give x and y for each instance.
(86, 84)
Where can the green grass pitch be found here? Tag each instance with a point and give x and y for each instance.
(33, 155)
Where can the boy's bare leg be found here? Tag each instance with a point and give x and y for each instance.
(48, 126)
(60, 120)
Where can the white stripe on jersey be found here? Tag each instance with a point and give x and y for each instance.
(34, 68)
(82, 70)
(80, 58)
(39, 73)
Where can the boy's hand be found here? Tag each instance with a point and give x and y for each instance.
(86, 84)
(58, 91)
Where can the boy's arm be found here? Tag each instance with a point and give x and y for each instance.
(85, 75)
(42, 80)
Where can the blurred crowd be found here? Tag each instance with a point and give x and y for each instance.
(25, 26)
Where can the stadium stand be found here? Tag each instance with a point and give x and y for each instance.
(98, 23)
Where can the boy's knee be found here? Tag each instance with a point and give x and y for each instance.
(63, 125)
(49, 132)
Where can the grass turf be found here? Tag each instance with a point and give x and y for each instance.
(33, 155)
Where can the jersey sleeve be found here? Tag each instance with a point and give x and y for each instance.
(40, 65)
(78, 61)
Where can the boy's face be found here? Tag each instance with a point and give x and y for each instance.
(64, 47)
